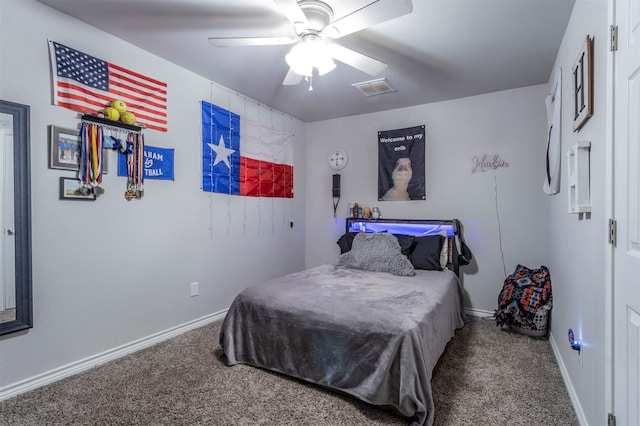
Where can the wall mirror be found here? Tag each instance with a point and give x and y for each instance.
(15, 219)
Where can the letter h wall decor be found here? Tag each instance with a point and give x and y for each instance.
(582, 76)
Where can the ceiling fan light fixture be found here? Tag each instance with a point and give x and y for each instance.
(311, 53)
(324, 65)
(297, 60)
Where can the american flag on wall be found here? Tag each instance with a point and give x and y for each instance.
(84, 83)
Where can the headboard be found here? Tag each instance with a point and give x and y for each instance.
(459, 253)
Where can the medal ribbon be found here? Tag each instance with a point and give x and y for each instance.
(96, 154)
(130, 162)
(135, 161)
(140, 152)
(90, 171)
(84, 140)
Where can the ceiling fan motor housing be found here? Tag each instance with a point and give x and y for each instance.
(318, 13)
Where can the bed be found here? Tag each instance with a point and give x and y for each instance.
(363, 331)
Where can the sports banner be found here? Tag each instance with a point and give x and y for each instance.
(258, 163)
(401, 164)
(158, 163)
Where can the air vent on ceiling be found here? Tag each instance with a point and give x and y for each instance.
(376, 87)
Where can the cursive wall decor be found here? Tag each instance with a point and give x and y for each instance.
(484, 162)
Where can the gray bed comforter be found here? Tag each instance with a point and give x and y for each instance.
(372, 335)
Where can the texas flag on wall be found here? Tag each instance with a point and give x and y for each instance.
(87, 84)
(258, 163)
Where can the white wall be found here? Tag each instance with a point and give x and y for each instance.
(110, 272)
(509, 123)
(578, 242)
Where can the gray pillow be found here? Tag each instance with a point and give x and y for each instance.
(376, 252)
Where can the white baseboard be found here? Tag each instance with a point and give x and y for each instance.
(567, 382)
(76, 367)
(478, 313)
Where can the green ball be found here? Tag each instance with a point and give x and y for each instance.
(128, 117)
(111, 113)
(119, 105)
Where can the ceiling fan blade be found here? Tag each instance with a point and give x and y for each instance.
(374, 13)
(357, 60)
(249, 41)
(293, 12)
(291, 79)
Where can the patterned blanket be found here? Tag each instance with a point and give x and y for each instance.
(523, 293)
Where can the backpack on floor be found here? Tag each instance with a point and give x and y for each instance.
(523, 293)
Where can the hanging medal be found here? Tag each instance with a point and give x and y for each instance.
(90, 170)
(135, 166)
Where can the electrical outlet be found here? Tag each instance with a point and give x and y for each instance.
(194, 289)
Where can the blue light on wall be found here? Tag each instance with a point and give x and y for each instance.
(575, 343)
(420, 229)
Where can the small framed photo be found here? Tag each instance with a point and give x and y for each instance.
(64, 150)
(70, 189)
(582, 77)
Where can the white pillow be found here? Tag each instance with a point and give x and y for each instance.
(444, 253)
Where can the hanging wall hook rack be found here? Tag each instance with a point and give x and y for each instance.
(110, 123)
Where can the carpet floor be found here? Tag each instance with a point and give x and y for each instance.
(486, 376)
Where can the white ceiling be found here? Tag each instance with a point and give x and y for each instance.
(444, 49)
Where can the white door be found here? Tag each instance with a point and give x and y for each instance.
(626, 262)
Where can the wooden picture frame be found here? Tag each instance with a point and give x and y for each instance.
(582, 78)
(64, 150)
(70, 190)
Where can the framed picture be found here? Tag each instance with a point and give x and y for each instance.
(582, 76)
(64, 150)
(70, 190)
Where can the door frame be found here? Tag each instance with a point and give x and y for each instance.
(609, 214)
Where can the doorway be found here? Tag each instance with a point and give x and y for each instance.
(625, 315)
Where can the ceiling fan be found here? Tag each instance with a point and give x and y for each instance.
(314, 24)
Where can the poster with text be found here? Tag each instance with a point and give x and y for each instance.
(401, 164)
